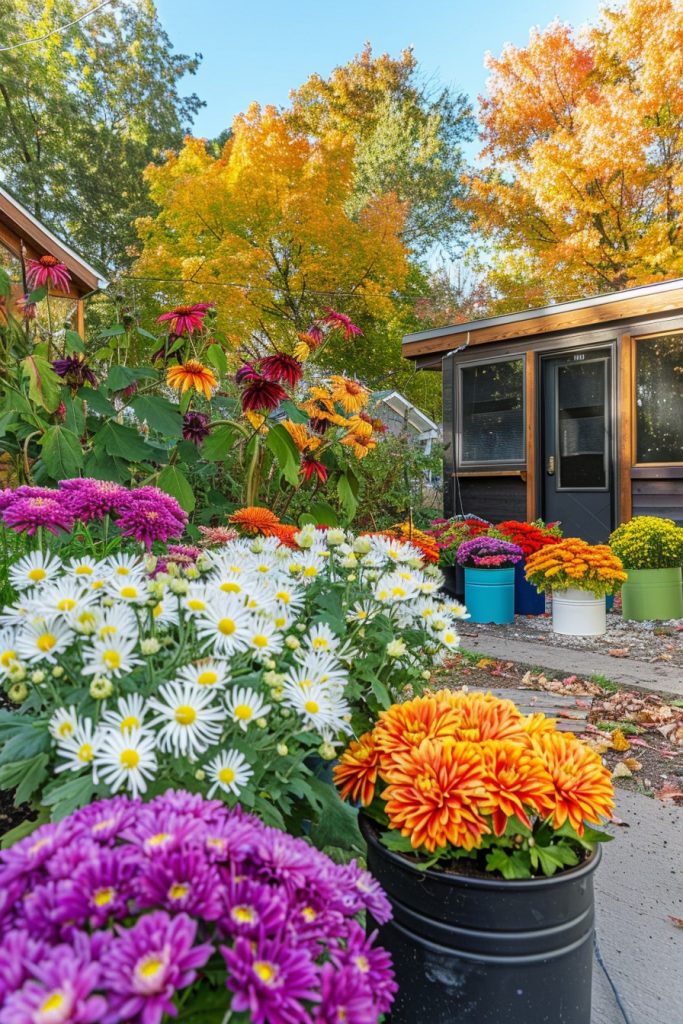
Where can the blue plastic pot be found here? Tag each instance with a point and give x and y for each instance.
(528, 601)
(490, 595)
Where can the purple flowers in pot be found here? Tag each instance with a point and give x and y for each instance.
(489, 553)
(112, 914)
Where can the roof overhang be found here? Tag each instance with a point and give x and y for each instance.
(39, 240)
(663, 297)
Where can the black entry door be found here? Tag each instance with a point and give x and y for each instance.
(576, 443)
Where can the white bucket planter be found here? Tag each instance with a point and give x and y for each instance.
(578, 613)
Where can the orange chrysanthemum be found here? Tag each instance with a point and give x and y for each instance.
(284, 533)
(404, 726)
(255, 520)
(356, 773)
(192, 374)
(516, 780)
(351, 395)
(434, 795)
(583, 787)
(485, 717)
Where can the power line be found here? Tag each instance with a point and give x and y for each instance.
(55, 31)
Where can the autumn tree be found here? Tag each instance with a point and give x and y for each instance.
(582, 188)
(83, 112)
(407, 135)
(264, 229)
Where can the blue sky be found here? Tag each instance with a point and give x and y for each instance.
(260, 49)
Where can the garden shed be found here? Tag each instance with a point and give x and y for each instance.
(402, 418)
(23, 236)
(571, 412)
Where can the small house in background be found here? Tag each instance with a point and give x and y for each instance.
(22, 237)
(403, 419)
(571, 412)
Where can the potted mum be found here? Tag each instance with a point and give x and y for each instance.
(449, 534)
(580, 576)
(652, 552)
(530, 537)
(478, 821)
(489, 564)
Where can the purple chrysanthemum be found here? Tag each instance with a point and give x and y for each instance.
(150, 515)
(7, 496)
(148, 964)
(182, 880)
(17, 951)
(252, 909)
(90, 499)
(62, 991)
(344, 999)
(478, 552)
(26, 515)
(271, 980)
(371, 963)
(360, 891)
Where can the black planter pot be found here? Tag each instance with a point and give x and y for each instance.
(469, 950)
(454, 581)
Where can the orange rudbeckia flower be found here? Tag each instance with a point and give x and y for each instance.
(350, 394)
(192, 374)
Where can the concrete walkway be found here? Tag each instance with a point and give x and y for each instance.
(629, 672)
(638, 884)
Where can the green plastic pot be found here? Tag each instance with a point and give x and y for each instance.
(652, 594)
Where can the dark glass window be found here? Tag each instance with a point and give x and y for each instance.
(659, 399)
(581, 426)
(492, 403)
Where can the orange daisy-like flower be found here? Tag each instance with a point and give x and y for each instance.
(583, 787)
(434, 795)
(299, 434)
(537, 724)
(404, 726)
(485, 717)
(356, 773)
(350, 394)
(255, 520)
(284, 533)
(516, 780)
(360, 444)
(192, 374)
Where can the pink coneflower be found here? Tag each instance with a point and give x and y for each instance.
(281, 367)
(47, 270)
(311, 467)
(89, 499)
(339, 321)
(186, 319)
(217, 534)
(26, 515)
(195, 427)
(26, 308)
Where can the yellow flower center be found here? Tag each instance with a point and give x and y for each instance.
(282, 595)
(425, 783)
(97, 584)
(265, 971)
(308, 914)
(129, 592)
(243, 712)
(111, 658)
(55, 1001)
(159, 839)
(108, 631)
(103, 897)
(185, 714)
(207, 678)
(399, 591)
(243, 914)
(85, 752)
(195, 604)
(157, 610)
(226, 627)
(226, 776)
(312, 707)
(87, 619)
(36, 575)
(129, 722)
(83, 570)
(231, 588)
(122, 570)
(46, 642)
(362, 963)
(65, 729)
(101, 825)
(7, 657)
(260, 640)
(321, 644)
(67, 604)
(310, 571)
(129, 758)
(178, 891)
(150, 966)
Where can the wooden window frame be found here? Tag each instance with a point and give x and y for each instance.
(634, 339)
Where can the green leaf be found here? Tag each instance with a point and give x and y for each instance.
(294, 413)
(514, 865)
(106, 352)
(29, 742)
(44, 386)
(145, 334)
(105, 467)
(553, 858)
(324, 514)
(279, 442)
(39, 294)
(121, 377)
(161, 414)
(174, 482)
(68, 796)
(73, 342)
(381, 692)
(97, 402)
(74, 416)
(112, 332)
(5, 282)
(347, 491)
(396, 842)
(216, 356)
(27, 776)
(218, 444)
(62, 453)
(115, 439)
(338, 822)
(20, 832)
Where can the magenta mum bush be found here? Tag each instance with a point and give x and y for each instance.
(489, 553)
(114, 913)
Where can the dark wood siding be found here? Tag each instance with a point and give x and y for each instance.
(448, 436)
(661, 497)
(493, 498)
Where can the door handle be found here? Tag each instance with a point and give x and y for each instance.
(550, 465)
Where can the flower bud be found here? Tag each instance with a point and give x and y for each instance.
(261, 723)
(327, 751)
(293, 643)
(150, 645)
(200, 775)
(101, 688)
(38, 677)
(18, 692)
(282, 749)
(179, 586)
(58, 671)
(335, 538)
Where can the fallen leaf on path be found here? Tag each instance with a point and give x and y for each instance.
(622, 771)
(485, 662)
(633, 764)
(663, 657)
(619, 741)
(619, 652)
(669, 791)
(618, 821)
(678, 921)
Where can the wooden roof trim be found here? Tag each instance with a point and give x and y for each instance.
(632, 302)
(39, 240)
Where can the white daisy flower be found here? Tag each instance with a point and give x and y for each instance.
(229, 771)
(224, 625)
(122, 565)
(207, 674)
(289, 598)
(117, 621)
(318, 707)
(362, 611)
(264, 639)
(312, 564)
(79, 748)
(85, 620)
(33, 570)
(190, 720)
(165, 612)
(43, 641)
(323, 670)
(457, 610)
(321, 638)
(84, 569)
(64, 597)
(126, 760)
(259, 596)
(63, 723)
(245, 705)
(19, 613)
(196, 599)
(111, 656)
(393, 588)
(449, 638)
(129, 714)
(130, 589)
(8, 651)
(229, 582)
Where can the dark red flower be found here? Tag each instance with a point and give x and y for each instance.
(195, 427)
(247, 373)
(185, 319)
(316, 332)
(75, 371)
(262, 395)
(318, 425)
(339, 321)
(282, 367)
(311, 467)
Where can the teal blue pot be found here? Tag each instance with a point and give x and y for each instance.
(490, 595)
